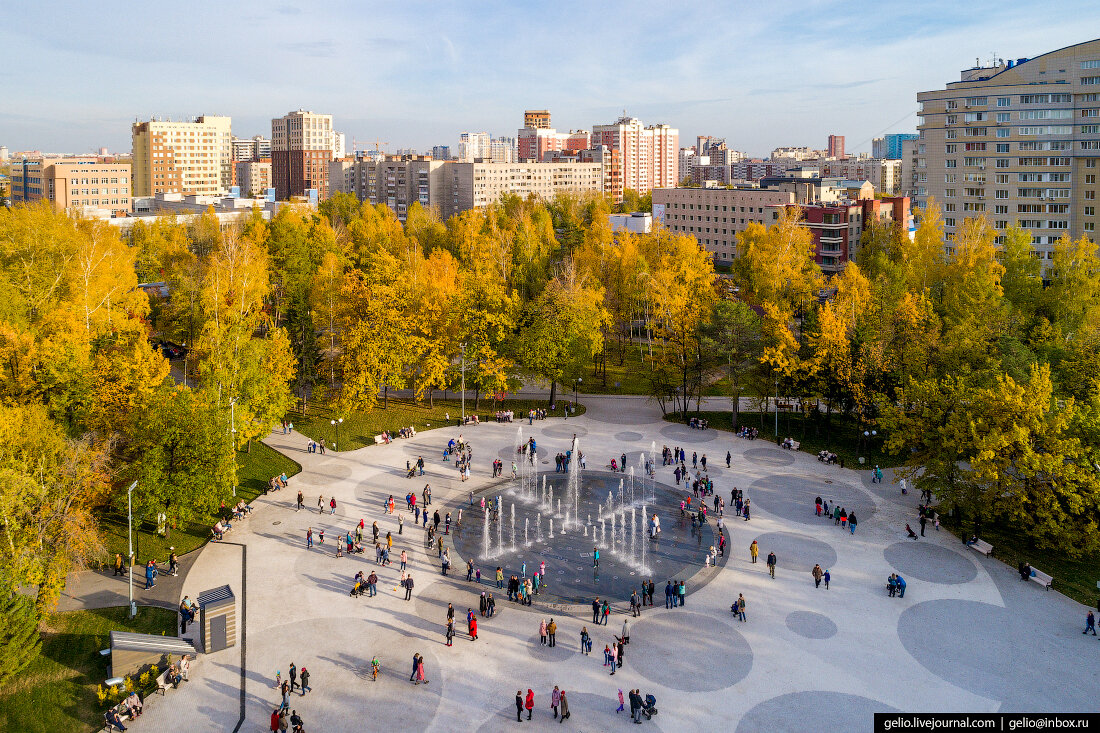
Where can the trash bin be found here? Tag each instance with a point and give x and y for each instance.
(218, 619)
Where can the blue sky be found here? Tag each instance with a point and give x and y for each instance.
(414, 74)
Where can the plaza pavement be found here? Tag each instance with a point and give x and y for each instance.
(968, 636)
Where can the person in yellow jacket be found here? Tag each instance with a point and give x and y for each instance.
(754, 550)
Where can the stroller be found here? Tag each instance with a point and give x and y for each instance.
(649, 709)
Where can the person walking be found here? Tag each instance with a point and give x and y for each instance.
(923, 522)
(754, 550)
(292, 673)
(852, 523)
(555, 701)
(596, 611)
(614, 650)
(586, 641)
(449, 634)
(826, 577)
(622, 703)
(408, 587)
(301, 502)
(771, 564)
(529, 703)
(305, 681)
(309, 538)
(596, 557)
(551, 630)
(818, 574)
(1090, 624)
(668, 594)
(728, 459)
(606, 611)
(118, 563)
(519, 706)
(683, 592)
(636, 706)
(542, 632)
(320, 504)
(741, 606)
(564, 708)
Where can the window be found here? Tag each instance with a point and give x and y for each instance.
(950, 163)
(1090, 144)
(951, 134)
(949, 221)
(974, 132)
(1090, 80)
(952, 119)
(1003, 162)
(1003, 132)
(1093, 64)
(1090, 195)
(1090, 129)
(1002, 194)
(975, 117)
(952, 104)
(949, 193)
(1002, 178)
(979, 162)
(1004, 117)
(1090, 211)
(1001, 209)
(949, 149)
(1002, 147)
(1003, 101)
(975, 146)
(1046, 114)
(975, 101)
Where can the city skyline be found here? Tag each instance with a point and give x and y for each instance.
(419, 75)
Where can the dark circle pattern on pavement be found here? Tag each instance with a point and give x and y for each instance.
(794, 553)
(586, 710)
(811, 625)
(628, 436)
(975, 661)
(775, 457)
(666, 647)
(791, 497)
(331, 470)
(685, 436)
(827, 710)
(928, 562)
(565, 431)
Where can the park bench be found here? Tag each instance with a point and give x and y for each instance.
(1042, 578)
(981, 546)
(162, 682)
(379, 440)
(108, 726)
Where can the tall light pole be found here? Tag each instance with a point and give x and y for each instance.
(233, 433)
(777, 405)
(463, 370)
(336, 425)
(130, 537)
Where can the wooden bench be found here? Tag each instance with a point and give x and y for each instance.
(110, 727)
(1042, 578)
(379, 440)
(981, 546)
(162, 682)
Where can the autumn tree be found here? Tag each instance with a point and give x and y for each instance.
(732, 341)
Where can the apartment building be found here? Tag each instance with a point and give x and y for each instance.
(836, 146)
(474, 146)
(254, 177)
(1017, 142)
(605, 156)
(883, 174)
(890, 146)
(534, 143)
(302, 146)
(89, 185)
(193, 157)
(538, 119)
(715, 216)
(476, 185)
(838, 226)
(649, 154)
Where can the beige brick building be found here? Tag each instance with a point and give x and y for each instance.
(183, 157)
(1016, 142)
(714, 216)
(89, 185)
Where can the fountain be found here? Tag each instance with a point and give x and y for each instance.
(603, 533)
(612, 531)
(632, 485)
(633, 536)
(565, 523)
(513, 527)
(551, 528)
(559, 509)
(572, 491)
(485, 536)
(645, 540)
(500, 529)
(538, 527)
(526, 525)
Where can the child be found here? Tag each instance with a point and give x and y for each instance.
(622, 703)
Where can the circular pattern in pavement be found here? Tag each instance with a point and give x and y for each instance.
(827, 710)
(930, 563)
(332, 470)
(628, 436)
(811, 625)
(565, 431)
(667, 648)
(974, 657)
(795, 553)
(791, 497)
(684, 434)
(776, 457)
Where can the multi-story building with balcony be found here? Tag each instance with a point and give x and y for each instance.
(1017, 142)
(192, 158)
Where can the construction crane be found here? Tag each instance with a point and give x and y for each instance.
(355, 145)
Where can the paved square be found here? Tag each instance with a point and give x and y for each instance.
(968, 636)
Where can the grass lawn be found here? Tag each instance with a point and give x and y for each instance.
(839, 437)
(254, 469)
(57, 692)
(1074, 578)
(359, 429)
(629, 378)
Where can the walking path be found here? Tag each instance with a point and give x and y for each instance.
(967, 636)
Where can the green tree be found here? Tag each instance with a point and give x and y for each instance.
(20, 642)
(733, 339)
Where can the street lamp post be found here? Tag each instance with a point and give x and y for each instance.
(130, 538)
(575, 385)
(463, 345)
(777, 406)
(336, 426)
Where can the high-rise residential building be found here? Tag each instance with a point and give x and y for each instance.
(441, 152)
(339, 145)
(254, 177)
(502, 150)
(5, 155)
(1017, 142)
(474, 146)
(243, 149)
(301, 148)
(909, 168)
(538, 119)
(889, 146)
(183, 157)
(836, 146)
(796, 152)
(649, 154)
(533, 143)
(83, 184)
